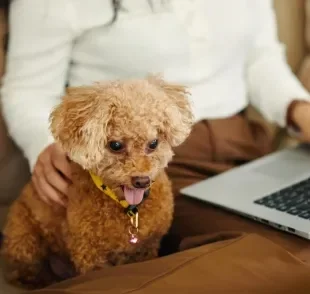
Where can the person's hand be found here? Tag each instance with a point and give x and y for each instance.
(299, 117)
(52, 175)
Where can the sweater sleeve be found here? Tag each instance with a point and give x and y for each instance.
(272, 85)
(39, 51)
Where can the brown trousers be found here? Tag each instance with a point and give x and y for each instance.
(214, 147)
(224, 264)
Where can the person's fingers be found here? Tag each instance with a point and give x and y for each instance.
(61, 162)
(304, 136)
(55, 179)
(50, 192)
(39, 191)
(51, 186)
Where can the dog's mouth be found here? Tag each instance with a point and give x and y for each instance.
(133, 196)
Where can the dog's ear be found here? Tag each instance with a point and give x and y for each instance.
(178, 112)
(79, 124)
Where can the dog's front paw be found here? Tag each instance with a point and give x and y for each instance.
(62, 267)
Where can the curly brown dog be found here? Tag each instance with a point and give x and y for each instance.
(119, 137)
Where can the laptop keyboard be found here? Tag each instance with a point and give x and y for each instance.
(294, 200)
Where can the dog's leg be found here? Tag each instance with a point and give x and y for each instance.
(86, 254)
(87, 245)
(23, 249)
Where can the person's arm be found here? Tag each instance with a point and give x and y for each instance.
(40, 42)
(272, 85)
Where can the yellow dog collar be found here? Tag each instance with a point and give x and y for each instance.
(130, 210)
(106, 190)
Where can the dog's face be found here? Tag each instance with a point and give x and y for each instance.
(123, 131)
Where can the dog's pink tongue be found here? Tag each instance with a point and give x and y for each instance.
(133, 196)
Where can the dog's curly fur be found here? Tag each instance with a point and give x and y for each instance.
(93, 230)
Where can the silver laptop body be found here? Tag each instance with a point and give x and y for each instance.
(274, 190)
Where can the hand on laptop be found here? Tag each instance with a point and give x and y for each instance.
(299, 116)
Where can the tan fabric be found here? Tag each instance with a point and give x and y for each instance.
(307, 23)
(304, 73)
(291, 28)
(246, 264)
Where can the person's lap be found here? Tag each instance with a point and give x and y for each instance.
(214, 147)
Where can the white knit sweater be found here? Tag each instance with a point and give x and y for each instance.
(226, 51)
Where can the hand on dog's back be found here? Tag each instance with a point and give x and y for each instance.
(51, 175)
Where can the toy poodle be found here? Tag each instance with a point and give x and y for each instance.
(119, 137)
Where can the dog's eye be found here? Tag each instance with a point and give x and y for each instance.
(116, 146)
(153, 144)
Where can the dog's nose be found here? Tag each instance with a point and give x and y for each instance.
(140, 182)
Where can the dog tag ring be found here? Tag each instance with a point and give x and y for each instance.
(134, 229)
(133, 236)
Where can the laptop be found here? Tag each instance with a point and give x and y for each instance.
(274, 190)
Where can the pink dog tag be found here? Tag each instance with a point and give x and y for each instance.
(133, 239)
